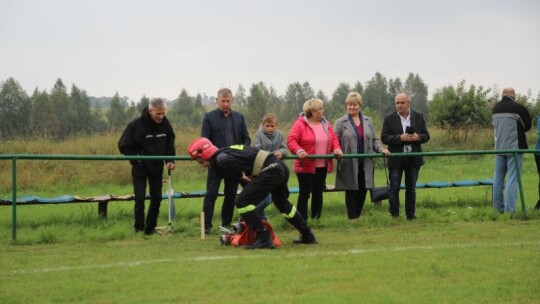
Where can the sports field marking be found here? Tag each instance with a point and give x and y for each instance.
(314, 253)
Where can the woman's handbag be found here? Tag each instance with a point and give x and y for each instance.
(381, 193)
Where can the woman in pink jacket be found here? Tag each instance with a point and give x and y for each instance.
(312, 134)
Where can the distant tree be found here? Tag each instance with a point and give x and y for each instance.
(143, 103)
(359, 88)
(15, 107)
(257, 103)
(116, 116)
(240, 98)
(295, 97)
(186, 110)
(376, 95)
(460, 108)
(418, 90)
(43, 119)
(395, 86)
(81, 111)
(275, 104)
(131, 111)
(336, 107)
(320, 95)
(198, 110)
(61, 102)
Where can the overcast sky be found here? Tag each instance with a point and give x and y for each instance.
(157, 48)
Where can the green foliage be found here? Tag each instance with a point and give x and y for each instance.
(335, 108)
(257, 103)
(143, 103)
(240, 98)
(116, 116)
(15, 107)
(418, 90)
(377, 96)
(59, 115)
(81, 112)
(43, 120)
(460, 108)
(295, 97)
(186, 110)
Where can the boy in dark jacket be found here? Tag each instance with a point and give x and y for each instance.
(150, 134)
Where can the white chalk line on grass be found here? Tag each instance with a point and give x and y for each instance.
(313, 253)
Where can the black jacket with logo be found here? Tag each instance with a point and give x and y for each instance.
(143, 136)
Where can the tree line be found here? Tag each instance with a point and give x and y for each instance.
(60, 114)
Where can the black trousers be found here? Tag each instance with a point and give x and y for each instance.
(313, 184)
(273, 181)
(141, 174)
(213, 181)
(354, 199)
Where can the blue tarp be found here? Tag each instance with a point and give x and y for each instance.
(30, 199)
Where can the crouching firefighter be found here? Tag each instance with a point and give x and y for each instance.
(260, 173)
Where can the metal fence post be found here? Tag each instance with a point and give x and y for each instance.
(14, 199)
(520, 185)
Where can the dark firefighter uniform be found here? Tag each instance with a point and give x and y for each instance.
(268, 175)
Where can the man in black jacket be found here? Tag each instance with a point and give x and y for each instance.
(404, 131)
(150, 134)
(261, 173)
(223, 127)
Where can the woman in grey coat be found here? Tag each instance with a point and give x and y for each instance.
(356, 135)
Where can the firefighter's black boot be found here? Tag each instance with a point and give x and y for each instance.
(262, 241)
(306, 236)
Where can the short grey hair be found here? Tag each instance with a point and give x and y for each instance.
(156, 103)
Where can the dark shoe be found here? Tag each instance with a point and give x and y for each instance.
(138, 230)
(151, 232)
(537, 205)
(262, 241)
(306, 238)
(411, 217)
(395, 216)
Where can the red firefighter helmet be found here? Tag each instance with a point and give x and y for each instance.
(201, 147)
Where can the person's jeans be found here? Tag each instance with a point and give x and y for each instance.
(505, 165)
(262, 205)
(411, 175)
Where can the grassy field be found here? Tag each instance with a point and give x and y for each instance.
(458, 250)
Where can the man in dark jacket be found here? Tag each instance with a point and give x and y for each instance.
(150, 134)
(404, 131)
(510, 122)
(262, 173)
(223, 127)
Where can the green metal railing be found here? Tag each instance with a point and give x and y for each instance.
(15, 157)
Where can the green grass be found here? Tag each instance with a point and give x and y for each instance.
(487, 262)
(457, 251)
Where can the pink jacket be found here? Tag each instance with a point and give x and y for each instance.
(302, 138)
